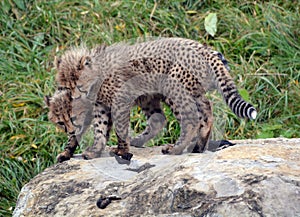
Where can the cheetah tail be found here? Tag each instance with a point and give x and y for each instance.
(228, 89)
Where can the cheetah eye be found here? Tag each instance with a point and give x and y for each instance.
(61, 123)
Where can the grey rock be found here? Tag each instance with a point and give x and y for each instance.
(254, 178)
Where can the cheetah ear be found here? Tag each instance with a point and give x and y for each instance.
(84, 61)
(57, 62)
(47, 100)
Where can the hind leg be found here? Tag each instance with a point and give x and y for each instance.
(205, 127)
(200, 143)
(194, 114)
(185, 108)
(156, 119)
(188, 133)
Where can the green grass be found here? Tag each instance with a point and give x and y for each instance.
(260, 40)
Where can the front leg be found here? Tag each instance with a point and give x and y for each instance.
(102, 126)
(122, 150)
(121, 119)
(69, 149)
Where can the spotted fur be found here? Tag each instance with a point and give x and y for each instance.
(99, 74)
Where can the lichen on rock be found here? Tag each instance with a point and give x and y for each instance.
(253, 178)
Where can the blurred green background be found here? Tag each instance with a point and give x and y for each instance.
(260, 39)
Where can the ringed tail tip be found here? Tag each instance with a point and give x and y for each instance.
(253, 114)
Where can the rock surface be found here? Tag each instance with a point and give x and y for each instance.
(253, 178)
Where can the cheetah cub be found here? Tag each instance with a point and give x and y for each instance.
(99, 76)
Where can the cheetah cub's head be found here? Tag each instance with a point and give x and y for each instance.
(70, 65)
(60, 108)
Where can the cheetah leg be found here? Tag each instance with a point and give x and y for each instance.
(191, 108)
(199, 147)
(121, 113)
(122, 150)
(189, 129)
(186, 109)
(102, 126)
(212, 145)
(80, 118)
(156, 120)
(205, 128)
(69, 149)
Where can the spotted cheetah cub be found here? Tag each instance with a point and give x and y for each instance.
(96, 76)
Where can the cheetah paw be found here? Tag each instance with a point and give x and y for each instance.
(87, 155)
(64, 156)
(167, 149)
(122, 156)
